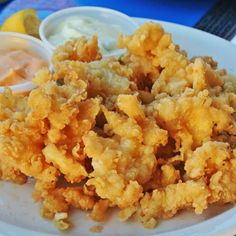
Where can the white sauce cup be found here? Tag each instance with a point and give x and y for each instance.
(104, 15)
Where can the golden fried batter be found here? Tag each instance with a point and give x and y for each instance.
(151, 133)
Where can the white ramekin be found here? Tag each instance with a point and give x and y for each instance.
(102, 14)
(10, 40)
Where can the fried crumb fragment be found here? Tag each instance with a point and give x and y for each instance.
(96, 229)
(60, 221)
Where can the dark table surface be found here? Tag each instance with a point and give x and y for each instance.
(184, 12)
(214, 16)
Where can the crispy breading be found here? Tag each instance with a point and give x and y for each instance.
(182, 115)
(99, 210)
(78, 49)
(207, 159)
(130, 105)
(77, 198)
(174, 197)
(72, 169)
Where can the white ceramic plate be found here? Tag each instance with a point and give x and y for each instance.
(19, 215)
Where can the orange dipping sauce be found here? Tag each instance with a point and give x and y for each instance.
(18, 66)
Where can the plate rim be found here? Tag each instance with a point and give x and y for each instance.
(141, 20)
(216, 228)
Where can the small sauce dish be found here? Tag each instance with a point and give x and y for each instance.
(21, 57)
(74, 22)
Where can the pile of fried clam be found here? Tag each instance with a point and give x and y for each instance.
(151, 133)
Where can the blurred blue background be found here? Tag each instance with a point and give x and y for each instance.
(184, 12)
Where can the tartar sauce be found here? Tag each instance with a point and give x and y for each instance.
(77, 26)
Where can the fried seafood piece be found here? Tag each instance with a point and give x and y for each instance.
(58, 101)
(144, 131)
(169, 175)
(101, 77)
(152, 134)
(80, 125)
(207, 159)
(69, 116)
(57, 201)
(216, 162)
(22, 154)
(9, 172)
(227, 137)
(130, 105)
(139, 70)
(70, 137)
(118, 164)
(70, 72)
(13, 110)
(151, 43)
(53, 203)
(189, 119)
(20, 142)
(72, 169)
(229, 83)
(209, 60)
(166, 202)
(225, 101)
(176, 77)
(223, 182)
(55, 105)
(71, 64)
(126, 158)
(163, 176)
(45, 182)
(66, 116)
(99, 210)
(147, 41)
(122, 126)
(81, 49)
(76, 197)
(172, 71)
(112, 168)
(144, 47)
